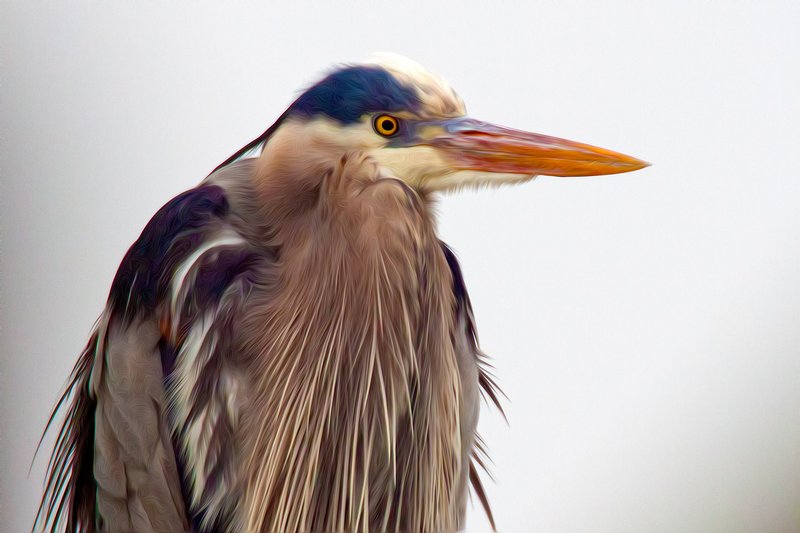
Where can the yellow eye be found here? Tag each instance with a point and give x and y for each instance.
(386, 125)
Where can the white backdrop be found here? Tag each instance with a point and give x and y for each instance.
(646, 327)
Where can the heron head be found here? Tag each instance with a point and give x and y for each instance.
(415, 127)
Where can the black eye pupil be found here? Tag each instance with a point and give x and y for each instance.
(387, 125)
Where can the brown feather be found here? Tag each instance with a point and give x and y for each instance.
(354, 364)
(68, 501)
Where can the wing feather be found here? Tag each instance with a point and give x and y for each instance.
(115, 466)
(67, 503)
(486, 381)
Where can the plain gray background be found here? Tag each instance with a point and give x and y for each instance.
(644, 326)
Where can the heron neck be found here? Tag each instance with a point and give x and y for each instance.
(352, 359)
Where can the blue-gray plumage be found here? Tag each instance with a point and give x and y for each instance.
(348, 94)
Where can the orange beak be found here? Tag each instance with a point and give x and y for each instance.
(476, 145)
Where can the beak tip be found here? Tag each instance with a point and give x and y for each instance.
(632, 164)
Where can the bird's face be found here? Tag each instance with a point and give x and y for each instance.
(415, 127)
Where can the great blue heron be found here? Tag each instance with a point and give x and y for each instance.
(289, 346)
